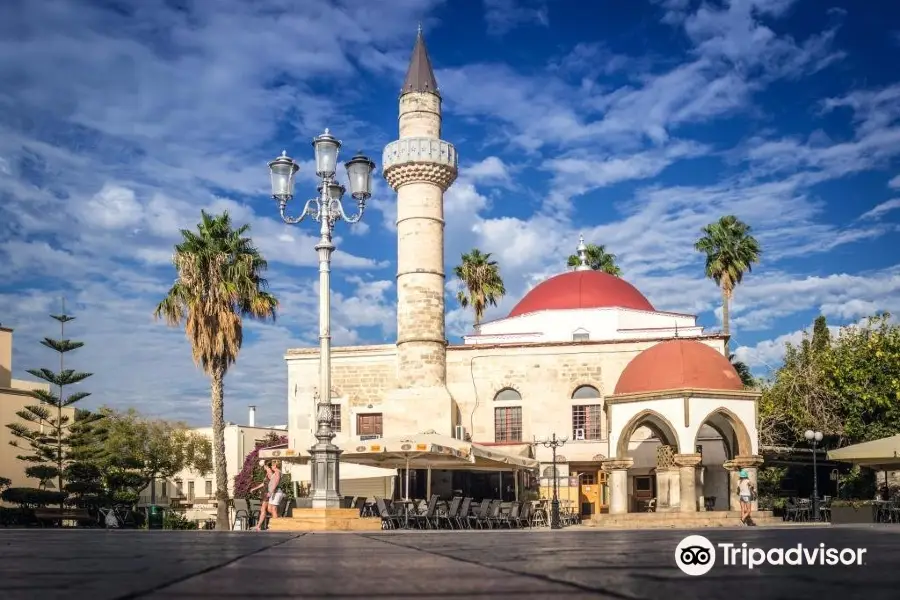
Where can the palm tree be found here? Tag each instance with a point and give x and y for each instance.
(598, 259)
(480, 282)
(730, 252)
(219, 283)
(743, 372)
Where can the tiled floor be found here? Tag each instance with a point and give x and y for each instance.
(572, 564)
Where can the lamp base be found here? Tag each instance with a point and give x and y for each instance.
(325, 519)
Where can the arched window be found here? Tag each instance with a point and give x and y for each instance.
(508, 419)
(581, 335)
(508, 394)
(587, 414)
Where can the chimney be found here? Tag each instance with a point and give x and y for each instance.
(252, 421)
(5, 357)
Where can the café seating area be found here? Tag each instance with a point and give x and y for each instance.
(463, 513)
(801, 510)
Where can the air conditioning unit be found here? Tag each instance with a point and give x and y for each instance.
(459, 432)
(579, 434)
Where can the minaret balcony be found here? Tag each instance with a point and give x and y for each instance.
(420, 159)
(415, 150)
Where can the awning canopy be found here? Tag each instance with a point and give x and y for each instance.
(877, 454)
(420, 451)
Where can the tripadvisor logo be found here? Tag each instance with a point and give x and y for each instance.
(696, 555)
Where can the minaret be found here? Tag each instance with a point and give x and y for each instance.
(420, 167)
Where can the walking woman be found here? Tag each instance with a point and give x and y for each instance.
(275, 494)
(746, 492)
(266, 487)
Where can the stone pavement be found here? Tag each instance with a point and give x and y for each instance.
(573, 564)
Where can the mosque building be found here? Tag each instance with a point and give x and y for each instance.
(654, 412)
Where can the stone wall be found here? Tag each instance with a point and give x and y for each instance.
(545, 375)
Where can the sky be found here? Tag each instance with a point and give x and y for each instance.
(633, 123)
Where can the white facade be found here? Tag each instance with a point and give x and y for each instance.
(608, 324)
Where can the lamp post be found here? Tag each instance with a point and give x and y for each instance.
(814, 437)
(326, 209)
(553, 443)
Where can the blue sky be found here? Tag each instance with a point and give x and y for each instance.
(634, 123)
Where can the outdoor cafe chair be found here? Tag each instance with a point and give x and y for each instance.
(493, 515)
(524, 517)
(241, 514)
(449, 517)
(480, 520)
(462, 515)
(427, 519)
(360, 505)
(511, 518)
(389, 520)
(539, 518)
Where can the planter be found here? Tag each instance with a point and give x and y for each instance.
(846, 515)
(303, 502)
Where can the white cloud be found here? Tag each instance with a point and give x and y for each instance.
(882, 209)
(895, 182)
(134, 125)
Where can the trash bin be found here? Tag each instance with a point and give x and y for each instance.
(154, 517)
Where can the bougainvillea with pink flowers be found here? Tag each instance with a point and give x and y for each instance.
(252, 474)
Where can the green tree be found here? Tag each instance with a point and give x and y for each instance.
(743, 372)
(598, 259)
(220, 282)
(48, 431)
(153, 449)
(730, 252)
(480, 282)
(821, 336)
(848, 386)
(863, 375)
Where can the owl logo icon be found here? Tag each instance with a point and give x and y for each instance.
(695, 555)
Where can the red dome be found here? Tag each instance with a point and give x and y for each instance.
(581, 289)
(678, 364)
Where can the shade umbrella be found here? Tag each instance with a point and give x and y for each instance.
(406, 453)
(882, 454)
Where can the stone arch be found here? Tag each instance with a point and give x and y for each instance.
(737, 440)
(508, 394)
(586, 391)
(654, 421)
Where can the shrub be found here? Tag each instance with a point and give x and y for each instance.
(252, 474)
(852, 503)
(175, 520)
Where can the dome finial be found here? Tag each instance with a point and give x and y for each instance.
(582, 255)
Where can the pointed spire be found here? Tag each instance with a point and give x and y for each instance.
(420, 75)
(582, 256)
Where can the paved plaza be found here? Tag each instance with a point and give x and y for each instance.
(573, 564)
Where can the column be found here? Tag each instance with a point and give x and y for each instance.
(688, 473)
(618, 484)
(668, 494)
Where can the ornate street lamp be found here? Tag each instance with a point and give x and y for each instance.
(553, 443)
(814, 437)
(327, 209)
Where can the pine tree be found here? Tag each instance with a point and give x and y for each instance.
(48, 441)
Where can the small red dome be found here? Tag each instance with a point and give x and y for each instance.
(581, 289)
(678, 364)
